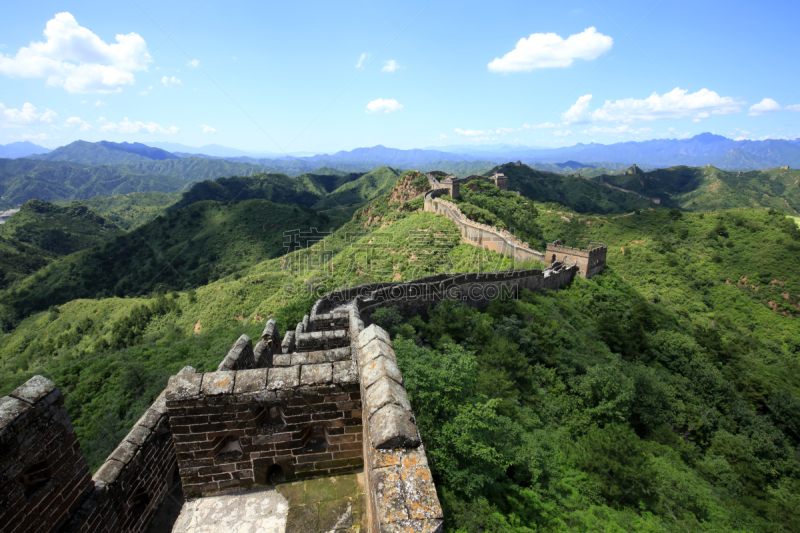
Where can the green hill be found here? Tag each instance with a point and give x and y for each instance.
(40, 232)
(131, 210)
(184, 248)
(580, 194)
(709, 188)
(25, 179)
(104, 153)
(359, 191)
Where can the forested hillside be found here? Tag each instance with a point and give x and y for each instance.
(26, 179)
(131, 210)
(182, 249)
(41, 232)
(709, 188)
(661, 395)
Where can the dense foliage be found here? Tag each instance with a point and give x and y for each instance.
(41, 232)
(132, 210)
(180, 250)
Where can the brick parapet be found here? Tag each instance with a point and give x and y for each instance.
(479, 234)
(231, 429)
(400, 490)
(43, 475)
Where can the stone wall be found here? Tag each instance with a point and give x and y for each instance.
(247, 427)
(46, 484)
(478, 234)
(401, 496)
(43, 475)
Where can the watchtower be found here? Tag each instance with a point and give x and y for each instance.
(500, 180)
(590, 261)
(451, 183)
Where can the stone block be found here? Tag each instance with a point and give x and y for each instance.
(184, 386)
(345, 372)
(287, 346)
(282, 360)
(385, 391)
(139, 435)
(270, 332)
(34, 389)
(216, 383)
(316, 374)
(283, 377)
(392, 427)
(387, 488)
(374, 349)
(240, 355)
(373, 332)
(420, 492)
(107, 473)
(11, 409)
(124, 452)
(262, 355)
(250, 380)
(309, 358)
(373, 370)
(413, 526)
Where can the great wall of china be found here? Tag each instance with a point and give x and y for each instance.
(325, 400)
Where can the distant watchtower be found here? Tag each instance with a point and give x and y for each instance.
(451, 183)
(500, 180)
(590, 261)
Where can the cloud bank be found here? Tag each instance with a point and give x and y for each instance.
(74, 58)
(678, 103)
(548, 50)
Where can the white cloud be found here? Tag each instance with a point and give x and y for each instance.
(361, 59)
(170, 81)
(29, 115)
(390, 66)
(442, 136)
(384, 106)
(208, 129)
(764, 107)
(677, 103)
(795, 108)
(126, 126)
(146, 91)
(75, 122)
(194, 63)
(100, 103)
(548, 50)
(76, 59)
(564, 133)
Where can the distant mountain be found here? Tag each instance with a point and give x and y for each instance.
(25, 179)
(21, 149)
(105, 153)
(212, 150)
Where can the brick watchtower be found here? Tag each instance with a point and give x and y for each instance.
(590, 261)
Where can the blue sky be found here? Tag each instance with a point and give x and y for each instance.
(283, 76)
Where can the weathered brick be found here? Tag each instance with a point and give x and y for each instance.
(183, 387)
(251, 380)
(316, 374)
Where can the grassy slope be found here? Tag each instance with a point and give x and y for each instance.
(25, 179)
(709, 188)
(41, 232)
(129, 211)
(580, 194)
(359, 191)
(185, 248)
